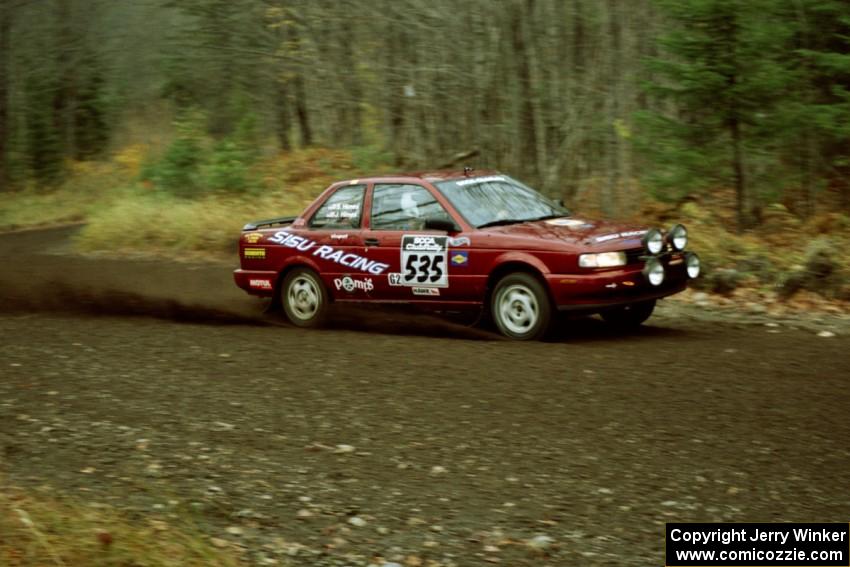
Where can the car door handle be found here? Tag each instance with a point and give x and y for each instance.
(372, 242)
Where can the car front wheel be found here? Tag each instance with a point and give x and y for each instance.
(520, 307)
(629, 316)
(304, 298)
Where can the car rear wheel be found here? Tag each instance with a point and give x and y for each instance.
(520, 307)
(629, 316)
(304, 298)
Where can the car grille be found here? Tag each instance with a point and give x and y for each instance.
(633, 256)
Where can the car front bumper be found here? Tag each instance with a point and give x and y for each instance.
(602, 289)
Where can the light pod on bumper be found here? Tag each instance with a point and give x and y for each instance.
(692, 263)
(653, 241)
(678, 237)
(653, 271)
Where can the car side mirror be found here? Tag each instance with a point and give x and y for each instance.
(444, 225)
(560, 203)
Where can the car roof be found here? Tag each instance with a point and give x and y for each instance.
(430, 176)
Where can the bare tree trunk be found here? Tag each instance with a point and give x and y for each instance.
(738, 171)
(533, 51)
(353, 93)
(612, 198)
(302, 113)
(281, 93)
(5, 28)
(525, 119)
(63, 98)
(394, 92)
(282, 115)
(578, 36)
(808, 181)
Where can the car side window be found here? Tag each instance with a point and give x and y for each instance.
(404, 207)
(343, 209)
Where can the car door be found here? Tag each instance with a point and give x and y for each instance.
(418, 258)
(336, 231)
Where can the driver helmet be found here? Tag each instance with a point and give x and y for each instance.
(409, 206)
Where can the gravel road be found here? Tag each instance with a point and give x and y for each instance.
(393, 439)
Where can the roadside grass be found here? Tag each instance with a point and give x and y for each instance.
(89, 185)
(161, 225)
(147, 221)
(38, 531)
(125, 214)
(782, 255)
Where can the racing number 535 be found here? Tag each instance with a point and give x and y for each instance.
(424, 260)
(424, 268)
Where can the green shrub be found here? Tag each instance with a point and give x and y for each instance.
(194, 164)
(227, 167)
(189, 168)
(178, 172)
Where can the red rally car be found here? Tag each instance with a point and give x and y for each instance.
(452, 241)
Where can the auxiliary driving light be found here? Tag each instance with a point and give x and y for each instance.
(653, 271)
(678, 237)
(693, 265)
(653, 241)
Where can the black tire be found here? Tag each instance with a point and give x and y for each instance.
(520, 307)
(304, 298)
(629, 316)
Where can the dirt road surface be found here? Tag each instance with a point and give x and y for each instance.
(394, 439)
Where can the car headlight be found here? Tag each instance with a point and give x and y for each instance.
(653, 271)
(678, 237)
(602, 260)
(653, 241)
(693, 265)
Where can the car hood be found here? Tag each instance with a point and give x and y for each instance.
(576, 230)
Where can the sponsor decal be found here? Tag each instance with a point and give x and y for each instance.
(260, 284)
(339, 236)
(626, 234)
(430, 291)
(325, 252)
(354, 182)
(343, 211)
(424, 243)
(459, 241)
(611, 286)
(252, 237)
(395, 279)
(569, 223)
(475, 180)
(424, 261)
(350, 285)
(460, 258)
(254, 253)
(607, 237)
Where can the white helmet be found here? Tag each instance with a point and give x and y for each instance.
(409, 206)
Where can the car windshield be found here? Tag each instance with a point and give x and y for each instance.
(498, 200)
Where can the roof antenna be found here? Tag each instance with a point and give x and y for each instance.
(467, 170)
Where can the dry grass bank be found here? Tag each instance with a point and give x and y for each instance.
(38, 530)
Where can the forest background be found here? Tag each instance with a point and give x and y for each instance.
(165, 124)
